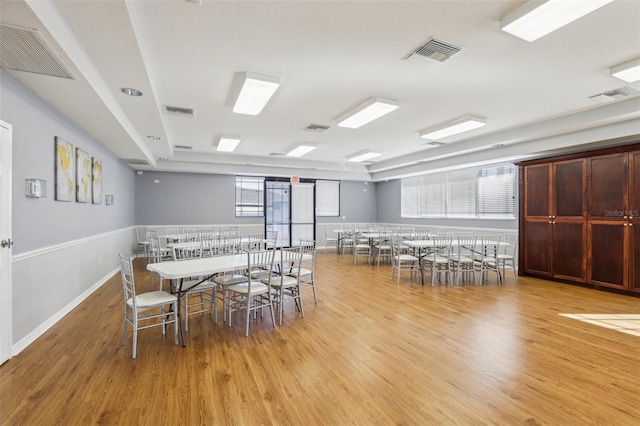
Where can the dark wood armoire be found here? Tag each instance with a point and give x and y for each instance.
(580, 217)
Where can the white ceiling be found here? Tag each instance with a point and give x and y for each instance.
(331, 57)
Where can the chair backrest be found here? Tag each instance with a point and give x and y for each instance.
(489, 245)
(290, 261)
(154, 245)
(171, 231)
(262, 261)
(308, 247)
(185, 253)
(141, 234)
(128, 280)
(441, 245)
(254, 242)
(511, 246)
(189, 234)
(467, 246)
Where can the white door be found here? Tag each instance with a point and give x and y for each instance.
(5, 238)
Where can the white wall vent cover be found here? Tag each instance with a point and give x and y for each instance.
(318, 128)
(185, 147)
(433, 50)
(136, 162)
(434, 143)
(181, 112)
(24, 49)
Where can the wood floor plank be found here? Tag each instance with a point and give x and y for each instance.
(371, 352)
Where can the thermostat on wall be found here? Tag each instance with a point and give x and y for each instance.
(36, 188)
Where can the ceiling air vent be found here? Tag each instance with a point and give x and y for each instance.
(318, 128)
(433, 50)
(434, 143)
(26, 50)
(180, 112)
(614, 95)
(136, 162)
(276, 154)
(185, 147)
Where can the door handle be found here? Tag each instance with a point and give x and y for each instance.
(6, 243)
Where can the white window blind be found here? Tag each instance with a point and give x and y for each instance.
(327, 198)
(497, 192)
(482, 193)
(434, 195)
(249, 196)
(462, 194)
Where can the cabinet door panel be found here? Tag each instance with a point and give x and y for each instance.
(536, 181)
(569, 188)
(569, 249)
(608, 186)
(537, 251)
(607, 250)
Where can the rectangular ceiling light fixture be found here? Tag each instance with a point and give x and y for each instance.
(256, 91)
(363, 156)
(370, 110)
(452, 128)
(629, 71)
(538, 18)
(300, 150)
(228, 143)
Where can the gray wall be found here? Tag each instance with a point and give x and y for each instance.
(44, 222)
(202, 199)
(63, 251)
(388, 207)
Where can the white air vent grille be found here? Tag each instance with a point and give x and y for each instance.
(276, 154)
(185, 147)
(614, 95)
(136, 162)
(23, 49)
(436, 50)
(318, 128)
(181, 112)
(434, 143)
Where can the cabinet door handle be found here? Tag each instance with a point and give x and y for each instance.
(626, 224)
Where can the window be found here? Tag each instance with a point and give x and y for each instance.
(249, 196)
(478, 193)
(327, 198)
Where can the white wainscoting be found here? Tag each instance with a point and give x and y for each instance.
(50, 282)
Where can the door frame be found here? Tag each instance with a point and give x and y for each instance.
(288, 180)
(6, 143)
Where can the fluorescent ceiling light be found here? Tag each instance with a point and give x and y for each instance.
(629, 71)
(452, 128)
(363, 156)
(367, 112)
(228, 143)
(256, 91)
(300, 150)
(538, 18)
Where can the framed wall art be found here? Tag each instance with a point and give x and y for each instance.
(64, 170)
(96, 178)
(83, 176)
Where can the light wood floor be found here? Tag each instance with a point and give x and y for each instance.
(371, 352)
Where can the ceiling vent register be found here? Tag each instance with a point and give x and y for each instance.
(614, 95)
(26, 50)
(183, 147)
(180, 112)
(136, 162)
(434, 50)
(317, 128)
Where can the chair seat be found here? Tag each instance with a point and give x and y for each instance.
(256, 288)
(438, 259)
(287, 281)
(304, 271)
(504, 257)
(230, 279)
(407, 258)
(206, 285)
(462, 259)
(152, 298)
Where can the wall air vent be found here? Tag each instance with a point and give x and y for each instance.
(614, 95)
(433, 50)
(180, 112)
(318, 128)
(24, 49)
(136, 162)
(183, 147)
